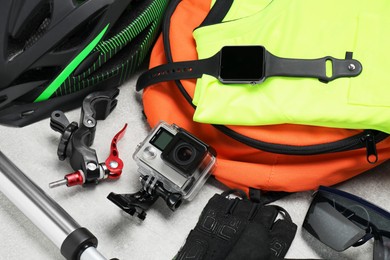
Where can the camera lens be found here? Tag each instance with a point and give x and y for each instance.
(184, 154)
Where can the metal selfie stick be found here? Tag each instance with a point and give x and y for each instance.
(74, 241)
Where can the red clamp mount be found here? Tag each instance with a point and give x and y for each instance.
(76, 140)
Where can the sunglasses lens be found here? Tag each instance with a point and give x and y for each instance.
(331, 227)
(340, 220)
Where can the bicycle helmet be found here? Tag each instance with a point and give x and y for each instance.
(55, 52)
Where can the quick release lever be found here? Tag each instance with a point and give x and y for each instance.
(76, 140)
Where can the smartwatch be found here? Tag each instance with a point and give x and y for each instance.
(251, 64)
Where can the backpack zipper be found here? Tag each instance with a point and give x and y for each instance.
(367, 139)
(372, 155)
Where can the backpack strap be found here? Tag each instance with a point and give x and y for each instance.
(215, 15)
(257, 195)
(217, 12)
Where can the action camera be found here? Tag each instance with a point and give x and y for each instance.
(173, 165)
(176, 158)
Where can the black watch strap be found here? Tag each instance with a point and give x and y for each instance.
(312, 68)
(179, 70)
(273, 66)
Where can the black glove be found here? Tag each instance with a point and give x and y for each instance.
(239, 229)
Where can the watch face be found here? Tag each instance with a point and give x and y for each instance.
(242, 64)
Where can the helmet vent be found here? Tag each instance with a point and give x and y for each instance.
(79, 2)
(128, 16)
(38, 34)
(78, 35)
(46, 73)
(3, 98)
(30, 33)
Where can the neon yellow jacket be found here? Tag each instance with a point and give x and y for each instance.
(306, 29)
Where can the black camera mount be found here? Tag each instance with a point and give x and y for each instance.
(137, 203)
(76, 140)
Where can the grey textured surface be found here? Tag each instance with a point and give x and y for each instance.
(33, 150)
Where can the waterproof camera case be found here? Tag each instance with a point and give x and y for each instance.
(173, 165)
(176, 158)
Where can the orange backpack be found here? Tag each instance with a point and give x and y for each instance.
(275, 158)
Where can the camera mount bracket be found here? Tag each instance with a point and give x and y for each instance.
(76, 140)
(137, 203)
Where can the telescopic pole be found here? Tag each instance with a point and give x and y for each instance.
(74, 241)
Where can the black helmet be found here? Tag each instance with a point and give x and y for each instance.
(54, 52)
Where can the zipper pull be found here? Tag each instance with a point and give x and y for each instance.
(372, 155)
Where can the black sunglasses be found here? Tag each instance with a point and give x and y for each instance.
(340, 220)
